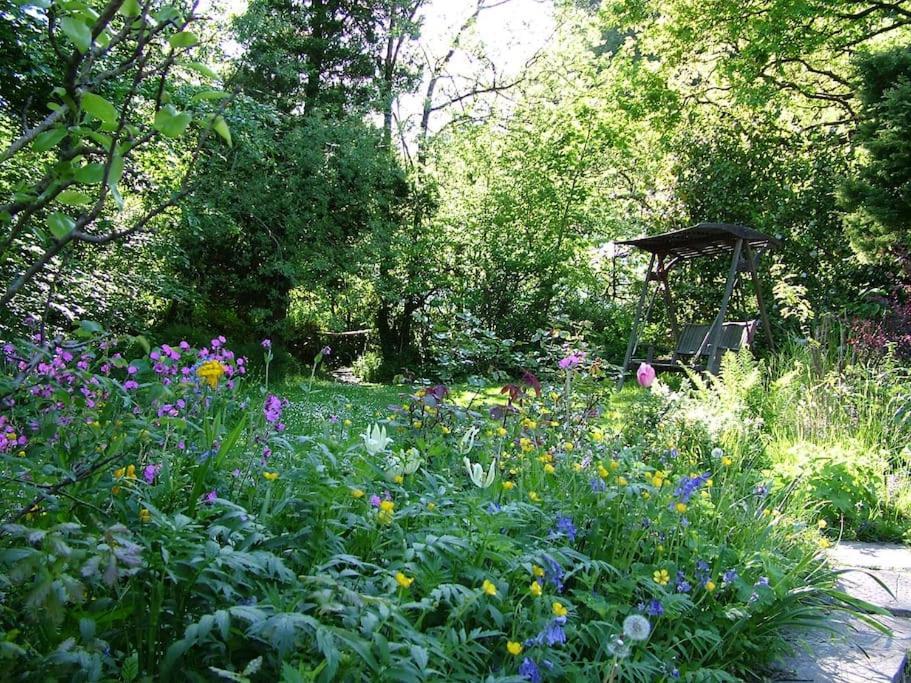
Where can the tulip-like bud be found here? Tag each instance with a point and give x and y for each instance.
(476, 473)
(467, 441)
(645, 375)
(375, 439)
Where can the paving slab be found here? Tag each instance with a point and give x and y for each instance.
(854, 653)
(860, 583)
(891, 556)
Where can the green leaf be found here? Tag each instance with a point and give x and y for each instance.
(60, 225)
(221, 127)
(116, 171)
(183, 39)
(130, 8)
(209, 95)
(130, 669)
(78, 32)
(171, 123)
(89, 174)
(100, 108)
(49, 139)
(202, 69)
(73, 198)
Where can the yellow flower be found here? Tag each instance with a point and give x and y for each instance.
(597, 435)
(417, 424)
(431, 506)
(680, 507)
(270, 476)
(568, 446)
(346, 422)
(508, 485)
(403, 581)
(144, 515)
(501, 431)
(553, 396)
(535, 589)
(420, 393)
(553, 423)
(708, 483)
(357, 493)
(621, 481)
(489, 588)
(386, 512)
(726, 461)
(445, 429)
(559, 610)
(550, 469)
(514, 648)
(661, 577)
(614, 464)
(210, 372)
(710, 585)
(529, 423)
(646, 495)
(387, 506)
(118, 474)
(533, 497)
(577, 467)
(398, 479)
(525, 444)
(536, 570)
(547, 457)
(822, 524)
(824, 543)
(602, 472)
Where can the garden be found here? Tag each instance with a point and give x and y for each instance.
(313, 322)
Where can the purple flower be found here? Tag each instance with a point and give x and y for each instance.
(554, 573)
(683, 586)
(375, 500)
(565, 526)
(654, 608)
(530, 670)
(572, 360)
(598, 485)
(730, 576)
(272, 409)
(150, 472)
(210, 497)
(132, 370)
(554, 633)
(266, 343)
(326, 350)
(689, 485)
(763, 581)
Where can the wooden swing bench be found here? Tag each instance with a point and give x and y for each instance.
(699, 345)
(693, 349)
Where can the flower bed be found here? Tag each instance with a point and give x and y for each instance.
(161, 522)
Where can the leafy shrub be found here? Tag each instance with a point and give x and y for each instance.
(368, 366)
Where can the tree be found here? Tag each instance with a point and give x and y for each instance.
(115, 100)
(878, 198)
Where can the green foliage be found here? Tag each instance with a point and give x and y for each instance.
(368, 366)
(879, 197)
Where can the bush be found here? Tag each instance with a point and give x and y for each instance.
(368, 366)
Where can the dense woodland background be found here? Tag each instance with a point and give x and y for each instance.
(272, 190)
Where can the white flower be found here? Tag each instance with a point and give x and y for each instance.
(717, 453)
(411, 460)
(375, 439)
(476, 473)
(636, 627)
(467, 441)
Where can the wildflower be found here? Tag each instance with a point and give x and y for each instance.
(270, 476)
(501, 431)
(822, 524)
(417, 424)
(357, 493)
(636, 627)
(717, 453)
(710, 585)
(386, 512)
(508, 485)
(489, 588)
(210, 372)
(466, 443)
(597, 435)
(535, 589)
(266, 344)
(403, 581)
(680, 507)
(730, 576)
(597, 485)
(824, 543)
(565, 526)
(398, 479)
(602, 472)
(530, 671)
(654, 608)
(533, 497)
(431, 506)
(550, 469)
(346, 422)
(568, 446)
(514, 648)
(726, 461)
(572, 360)
(272, 410)
(476, 473)
(537, 571)
(559, 609)
(375, 500)
(528, 423)
(210, 497)
(375, 439)
(326, 351)
(144, 515)
(622, 481)
(661, 577)
(645, 375)
(526, 444)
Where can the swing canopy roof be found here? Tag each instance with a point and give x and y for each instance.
(704, 239)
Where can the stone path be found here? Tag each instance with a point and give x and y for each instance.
(854, 651)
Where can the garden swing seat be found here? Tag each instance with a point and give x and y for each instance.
(699, 346)
(694, 340)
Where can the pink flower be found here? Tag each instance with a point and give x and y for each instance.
(572, 360)
(266, 343)
(375, 500)
(645, 375)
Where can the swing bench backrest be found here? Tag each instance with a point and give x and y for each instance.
(734, 336)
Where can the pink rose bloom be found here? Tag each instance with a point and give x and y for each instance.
(645, 375)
